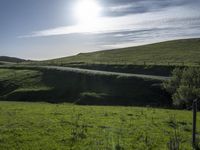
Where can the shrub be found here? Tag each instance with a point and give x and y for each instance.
(184, 86)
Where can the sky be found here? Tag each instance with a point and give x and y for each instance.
(46, 29)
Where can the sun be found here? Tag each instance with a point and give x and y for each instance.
(87, 11)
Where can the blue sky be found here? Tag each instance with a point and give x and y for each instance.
(44, 29)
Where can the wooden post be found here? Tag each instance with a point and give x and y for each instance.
(194, 107)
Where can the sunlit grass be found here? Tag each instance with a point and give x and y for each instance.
(66, 126)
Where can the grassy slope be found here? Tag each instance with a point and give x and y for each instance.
(13, 80)
(45, 126)
(11, 59)
(187, 51)
(69, 86)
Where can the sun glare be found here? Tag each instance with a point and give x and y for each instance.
(87, 11)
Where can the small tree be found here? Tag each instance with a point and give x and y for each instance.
(184, 86)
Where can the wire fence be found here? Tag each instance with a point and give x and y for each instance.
(144, 63)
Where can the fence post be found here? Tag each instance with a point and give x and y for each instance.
(194, 109)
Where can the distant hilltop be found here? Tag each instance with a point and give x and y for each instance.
(184, 51)
(175, 52)
(11, 59)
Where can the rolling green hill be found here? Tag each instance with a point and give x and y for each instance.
(185, 51)
(11, 59)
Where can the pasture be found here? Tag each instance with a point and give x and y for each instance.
(66, 126)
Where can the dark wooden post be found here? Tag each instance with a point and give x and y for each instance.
(194, 108)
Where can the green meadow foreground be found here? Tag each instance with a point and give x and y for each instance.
(65, 126)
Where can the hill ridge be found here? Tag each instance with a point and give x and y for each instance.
(183, 50)
(11, 59)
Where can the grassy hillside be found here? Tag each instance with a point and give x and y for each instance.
(171, 52)
(11, 59)
(81, 87)
(63, 126)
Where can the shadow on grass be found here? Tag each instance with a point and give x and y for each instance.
(95, 89)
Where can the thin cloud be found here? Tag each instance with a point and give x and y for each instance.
(136, 23)
(123, 8)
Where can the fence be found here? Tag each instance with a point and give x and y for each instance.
(144, 63)
(194, 109)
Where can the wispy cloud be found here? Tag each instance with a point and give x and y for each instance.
(175, 17)
(100, 26)
(121, 7)
(126, 7)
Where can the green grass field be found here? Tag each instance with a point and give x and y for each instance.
(37, 126)
(165, 53)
